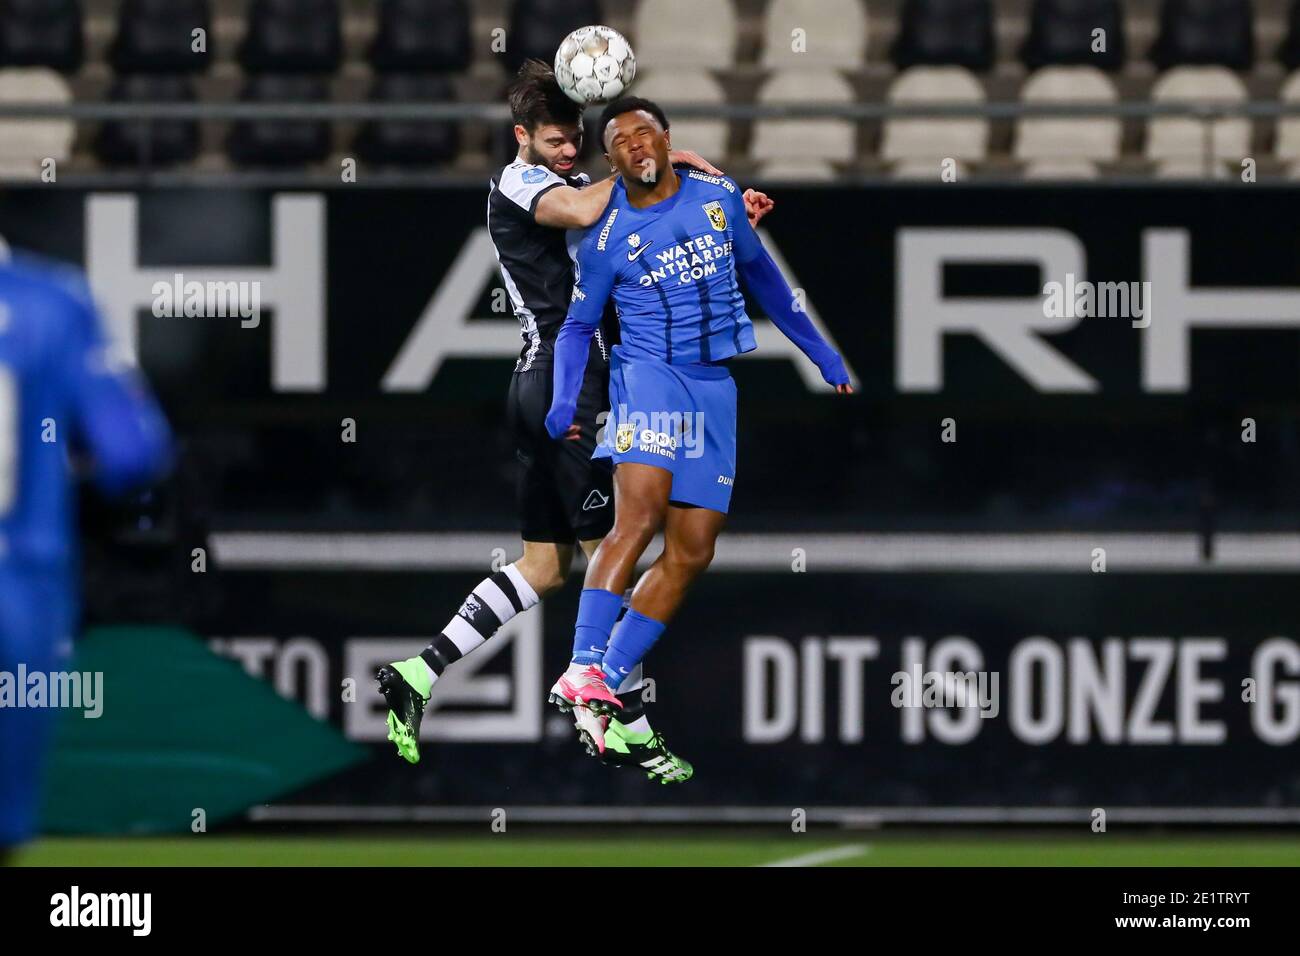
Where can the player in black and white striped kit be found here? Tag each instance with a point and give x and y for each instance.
(563, 496)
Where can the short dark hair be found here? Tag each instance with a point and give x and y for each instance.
(537, 100)
(630, 104)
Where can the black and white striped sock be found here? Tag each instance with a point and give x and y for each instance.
(629, 693)
(493, 602)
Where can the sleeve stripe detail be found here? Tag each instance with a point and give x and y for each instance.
(538, 198)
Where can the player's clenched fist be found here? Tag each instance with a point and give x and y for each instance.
(831, 365)
(560, 423)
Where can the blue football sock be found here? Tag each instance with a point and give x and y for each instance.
(636, 635)
(597, 612)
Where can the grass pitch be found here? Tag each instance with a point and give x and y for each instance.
(844, 848)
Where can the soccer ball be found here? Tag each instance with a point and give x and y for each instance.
(594, 64)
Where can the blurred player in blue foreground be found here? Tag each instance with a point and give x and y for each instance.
(60, 394)
(669, 249)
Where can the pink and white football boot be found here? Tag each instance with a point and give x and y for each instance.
(584, 685)
(591, 730)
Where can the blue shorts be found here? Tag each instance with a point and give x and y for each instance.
(37, 613)
(681, 418)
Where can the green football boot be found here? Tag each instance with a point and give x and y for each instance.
(647, 750)
(405, 685)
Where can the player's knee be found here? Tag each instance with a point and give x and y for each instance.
(692, 557)
(701, 559)
(544, 577)
(636, 528)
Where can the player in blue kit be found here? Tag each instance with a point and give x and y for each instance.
(538, 208)
(60, 392)
(670, 249)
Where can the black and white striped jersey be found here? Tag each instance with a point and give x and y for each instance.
(536, 260)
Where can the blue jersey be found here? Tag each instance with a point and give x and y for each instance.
(671, 269)
(60, 393)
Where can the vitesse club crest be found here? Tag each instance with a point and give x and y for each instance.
(623, 438)
(717, 218)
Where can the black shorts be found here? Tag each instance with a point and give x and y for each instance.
(563, 495)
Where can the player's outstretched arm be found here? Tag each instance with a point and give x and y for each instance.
(118, 418)
(762, 277)
(573, 343)
(566, 207)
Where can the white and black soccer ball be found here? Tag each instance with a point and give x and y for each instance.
(594, 64)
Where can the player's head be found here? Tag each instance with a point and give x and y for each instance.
(634, 133)
(548, 125)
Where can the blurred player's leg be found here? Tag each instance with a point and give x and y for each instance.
(35, 620)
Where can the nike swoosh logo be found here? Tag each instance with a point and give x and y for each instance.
(632, 255)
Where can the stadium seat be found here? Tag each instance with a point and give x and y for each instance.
(945, 33)
(537, 27)
(708, 137)
(293, 36)
(670, 33)
(281, 142)
(422, 36)
(26, 143)
(1061, 34)
(1047, 142)
(1060, 169)
(928, 169)
(409, 142)
(1205, 33)
(922, 143)
(1179, 144)
(1287, 146)
(834, 34)
(156, 36)
(804, 143)
(42, 33)
(798, 170)
(156, 142)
